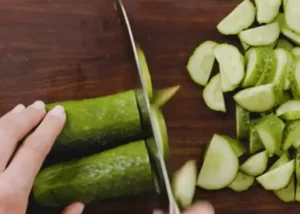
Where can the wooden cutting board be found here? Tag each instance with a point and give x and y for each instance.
(73, 49)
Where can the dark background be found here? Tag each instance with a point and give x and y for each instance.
(73, 49)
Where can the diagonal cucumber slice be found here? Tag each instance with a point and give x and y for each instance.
(213, 95)
(292, 14)
(296, 51)
(269, 69)
(287, 194)
(257, 99)
(239, 19)
(220, 165)
(242, 122)
(284, 44)
(256, 164)
(291, 135)
(284, 158)
(262, 35)
(255, 144)
(242, 182)
(294, 77)
(267, 10)
(277, 178)
(290, 110)
(201, 62)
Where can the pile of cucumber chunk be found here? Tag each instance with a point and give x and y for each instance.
(262, 74)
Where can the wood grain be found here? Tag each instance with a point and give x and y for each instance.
(72, 49)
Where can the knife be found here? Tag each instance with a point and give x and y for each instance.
(155, 153)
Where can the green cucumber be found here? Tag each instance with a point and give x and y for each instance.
(201, 62)
(284, 158)
(255, 144)
(291, 135)
(96, 123)
(296, 51)
(119, 172)
(287, 194)
(294, 77)
(282, 58)
(213, 94)
(278, 178)
(267, 10)
(269, 67)
(242, 122)
(220, 165)
(242, 182)
(270, 129)
(256, 164)
(238, 148)
(262, 35)
(184, 183)
(257, 99)
(244, 13)
(163, 96)
(227, 86)
(292, 14)
(231, 62)
(284, 44)
(289, 110)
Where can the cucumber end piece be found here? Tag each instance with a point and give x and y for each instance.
(163, 96)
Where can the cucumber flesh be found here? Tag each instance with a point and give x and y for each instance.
(238, 148)
(255, 144)
(213, 94)
(284, 44)
(269, 67)
(287, 194)
(245, 46)
(242, 182)
(184, 183)
(297, 165)
(201, 63)
(291, 35)
(284, 158)
(231, 62)
(294, 78)
(270, 129)
(296, 51)
(242, 122)
(256, 164)
(289, 66)
(282, 57)
(267, 10)
(262, 35)
(278, 178)
(257, 99)
(220, 165)
(163, 96)
(292, 14)
(290, 110)
(291, 135)
(244, 13)
(226, 84)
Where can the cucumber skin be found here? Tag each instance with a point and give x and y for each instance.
(119, 172)
(243, 122)
(98, 122)
(291, 76)
(291, 134)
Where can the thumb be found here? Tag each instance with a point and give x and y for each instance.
(75, 208)
(201, 208)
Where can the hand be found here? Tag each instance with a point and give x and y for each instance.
(198, 208)
(20, 163)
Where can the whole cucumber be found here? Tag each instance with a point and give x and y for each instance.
(119, 172)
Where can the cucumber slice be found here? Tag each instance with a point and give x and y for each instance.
(242, 182)
(269, 69)
(213, 95)
(296, 51)
(257, 99)
(284, 158)
(201, 62)
(163, 96)
(284, 44)
(289, 66)
(277, 178)
(262, 35)
(227, 86)
(297, 194)
(282, 58)
(291, 135)
(242, 122)
(231, 62)
(290, 110)
(270, 129)
(297, 165)
(238, 148)
(291, 35)
(220, 165)
(245, 46)
(267, 10)
(184, 183)
(294, 77)
(244, 13)
(292, 14)
(256, 164)
(287, 194)
(255, 144)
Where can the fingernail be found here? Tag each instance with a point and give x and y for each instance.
(18, 109)
(58, 111)
(38, 105)
(158, 212)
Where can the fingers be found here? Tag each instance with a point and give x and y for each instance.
(201, 208)
(29, 158)
(15, 125)
(76, 208)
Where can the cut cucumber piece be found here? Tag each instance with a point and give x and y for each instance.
(242, 122)
(284, 158)
(245, 46)
(184, 183)
(292, 14)
(287, 194)
(289, 66)
(297, 165)
(277, 178)
(231, 62)
(296, 51)
(220, 165)
(213, 94)
(257, 99)
(262, 35)
(227, 86)
(267, 10)
(290, 110)
(163, 96)
(242, 182)
(238, 148)
(282, 58)
(269, 69)
(256, 164)
(294, 77)
(297, 194)
(291, 135)
(284, 44)
(255, 144)
(239, 19)
(270, 129)
(291, 35)
(201, 62)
